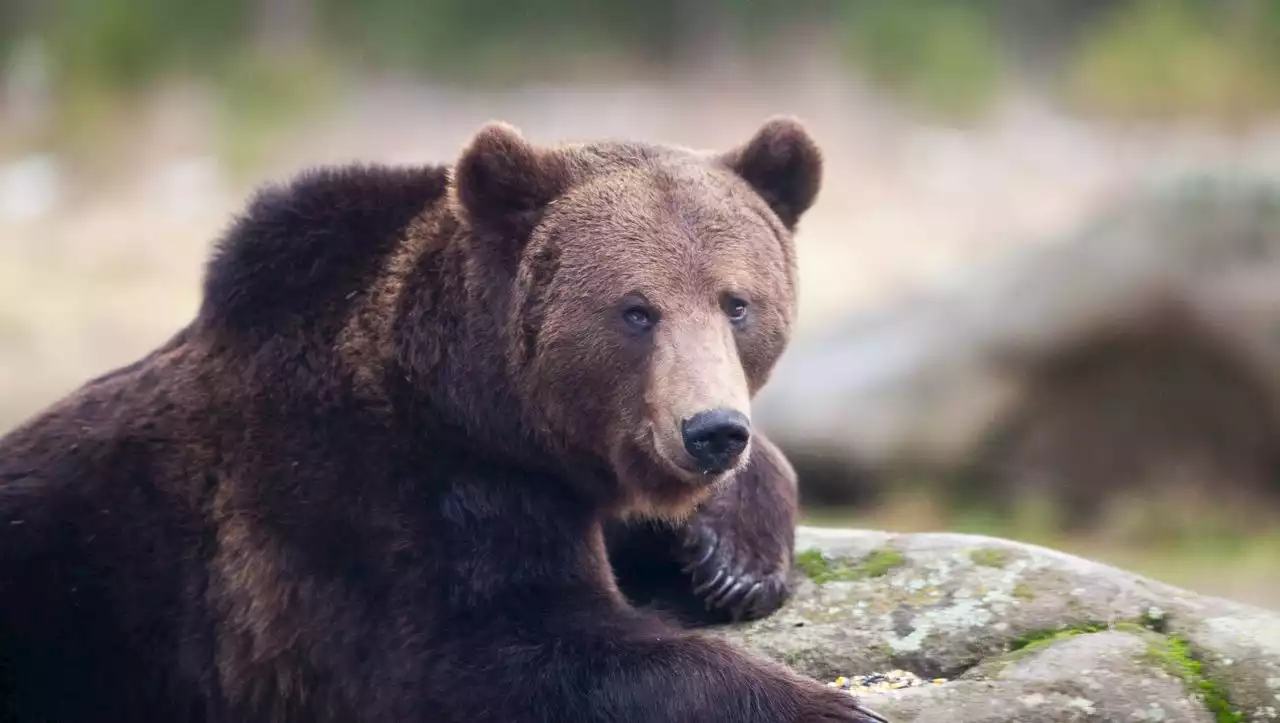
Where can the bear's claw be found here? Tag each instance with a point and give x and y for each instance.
(866, 715)
(847, 707)
(738, 582)
(871, 714)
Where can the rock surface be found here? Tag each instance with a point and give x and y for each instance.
(925, 379)
(1021, 633)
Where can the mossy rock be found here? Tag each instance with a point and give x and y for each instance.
(1020, 633)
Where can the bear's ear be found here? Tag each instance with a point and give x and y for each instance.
(783, 164)
(503, 182)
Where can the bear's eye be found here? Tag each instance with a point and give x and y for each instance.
(735, 309)
(639, 318)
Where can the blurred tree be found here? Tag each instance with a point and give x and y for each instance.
(941, 54)
(123, 44)
(1161, 58)
(283, 27)
(1116, 56)
(1042, 34)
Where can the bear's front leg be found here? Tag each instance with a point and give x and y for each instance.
(730, 561)
(738, 548)
(582, 661)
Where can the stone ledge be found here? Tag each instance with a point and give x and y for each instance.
(1014, 626)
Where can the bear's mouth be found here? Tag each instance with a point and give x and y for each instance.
(653, 486)
(678, 465)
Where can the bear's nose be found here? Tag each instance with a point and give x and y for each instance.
(715, 438)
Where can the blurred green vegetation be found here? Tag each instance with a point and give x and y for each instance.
(260, 98)
(1130, 58)
(941, 55)
(1157, 57)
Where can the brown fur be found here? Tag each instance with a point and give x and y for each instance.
(370, 481)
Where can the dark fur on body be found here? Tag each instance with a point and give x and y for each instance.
(331, 498)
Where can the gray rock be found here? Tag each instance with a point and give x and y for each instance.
(1021, 633)
(1243, 648)
(926, 379)
(1103, 676)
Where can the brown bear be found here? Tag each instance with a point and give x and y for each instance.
(371, 480)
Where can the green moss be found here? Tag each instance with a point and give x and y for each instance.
(880, 562)
(990, 557)
(1170, 652)
(1023, 591)
(1174, 654)
(813, 564)
(1038, 639)
(821, 569)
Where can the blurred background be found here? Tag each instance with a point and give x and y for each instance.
(1040, 292)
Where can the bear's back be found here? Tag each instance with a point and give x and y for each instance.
(112, 485)
(294, 261)
(97, 521)
(305, 248)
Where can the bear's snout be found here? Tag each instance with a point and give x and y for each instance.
(716, 439)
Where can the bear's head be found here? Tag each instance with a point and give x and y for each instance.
(648, 292)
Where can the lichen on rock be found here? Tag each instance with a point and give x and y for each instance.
(1019, 632)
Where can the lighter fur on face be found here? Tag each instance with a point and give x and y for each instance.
(680, 237)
